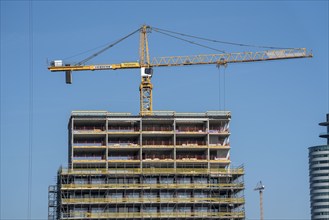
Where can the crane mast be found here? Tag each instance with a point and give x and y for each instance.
(146, 87)
(260, 187)
(146, 64)
(144, 56)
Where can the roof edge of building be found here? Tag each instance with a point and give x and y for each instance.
(154, 113)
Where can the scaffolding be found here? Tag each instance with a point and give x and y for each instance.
(155, 193)
(52, 202)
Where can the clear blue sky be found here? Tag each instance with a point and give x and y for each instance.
(276, 106)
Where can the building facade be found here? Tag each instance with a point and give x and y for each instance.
(319, 177)
(165, 166)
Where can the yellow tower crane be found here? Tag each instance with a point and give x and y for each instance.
(146, 64)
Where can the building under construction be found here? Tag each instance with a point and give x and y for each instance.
(166, 165)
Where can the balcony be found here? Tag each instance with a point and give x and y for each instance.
(324, 135)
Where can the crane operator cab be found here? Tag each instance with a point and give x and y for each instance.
(146, 72)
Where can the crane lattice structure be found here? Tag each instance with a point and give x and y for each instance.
(146, 64)
(260, 187)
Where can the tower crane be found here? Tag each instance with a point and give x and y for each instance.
(146, 64)
(260, 187)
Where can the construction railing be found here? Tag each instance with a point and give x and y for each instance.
(190, 171)
(158, 128)
(134, 215)
(152, 186)
(152, 200)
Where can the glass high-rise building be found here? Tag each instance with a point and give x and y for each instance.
(319, 177)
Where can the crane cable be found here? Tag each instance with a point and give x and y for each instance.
(218, 41)
(191, 42)
(222, 82)
(219, 95)
(106, 48)
(30, 150)
(86, 51)
(125, 37)
(1, 93)
(170, 34)
(224, 88)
